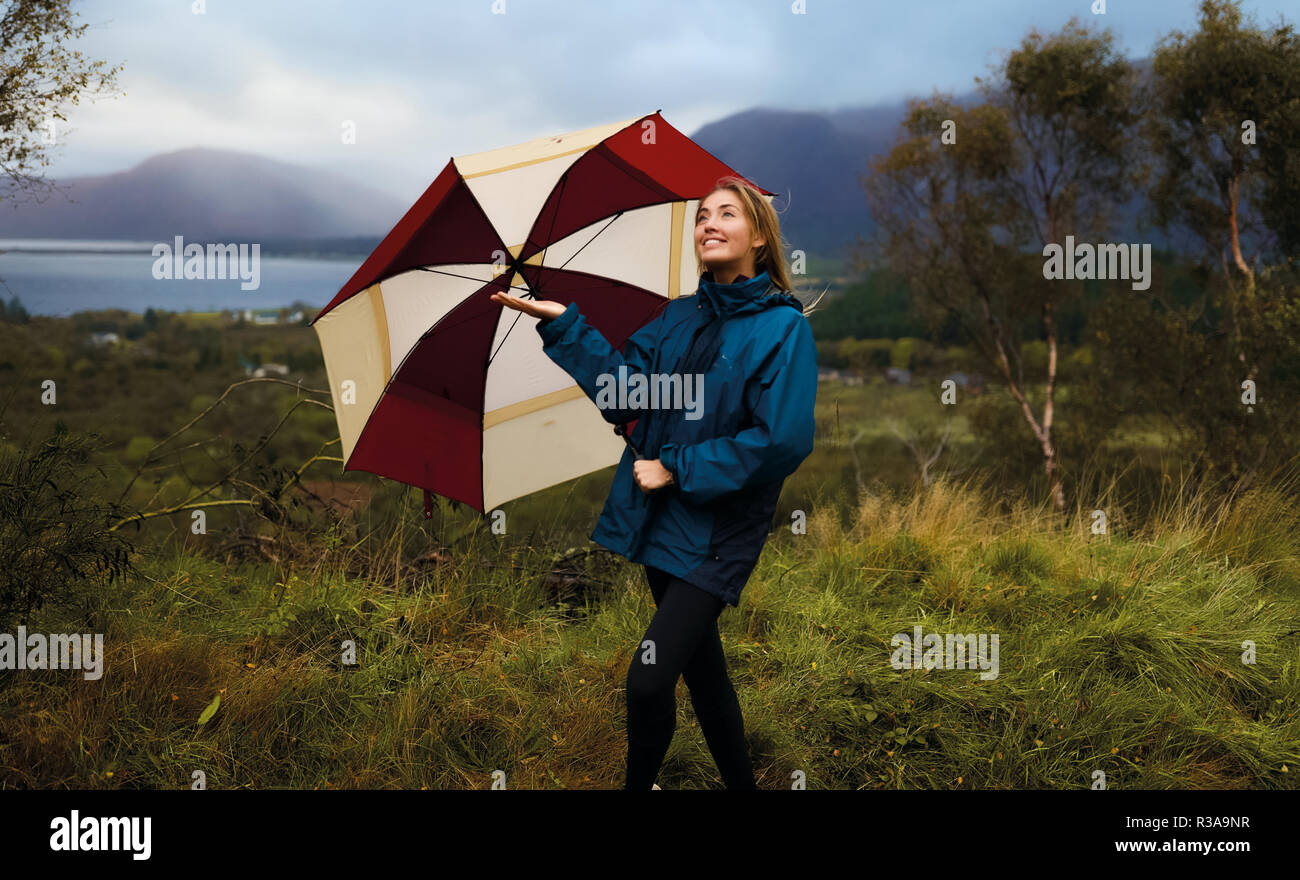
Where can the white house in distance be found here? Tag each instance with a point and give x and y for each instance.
(268, 370)
(845, 376)
(268, 316)
(262, 316)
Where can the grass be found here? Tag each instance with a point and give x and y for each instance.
(1120, 653)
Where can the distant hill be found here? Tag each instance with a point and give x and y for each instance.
(814, 160)
(202, 194)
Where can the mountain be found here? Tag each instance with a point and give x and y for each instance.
(822, 204)
(202, 194)
(813, 160)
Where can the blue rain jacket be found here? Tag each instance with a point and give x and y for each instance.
(759, 369)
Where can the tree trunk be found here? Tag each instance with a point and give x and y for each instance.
(1052, 469)
(1051, 466)
(1237, 257)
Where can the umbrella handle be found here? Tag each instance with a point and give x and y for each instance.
(621, 430)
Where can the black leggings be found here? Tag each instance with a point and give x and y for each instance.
(684, 633)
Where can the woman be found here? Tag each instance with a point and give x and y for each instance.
(695, 510)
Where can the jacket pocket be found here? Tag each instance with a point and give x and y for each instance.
(741, 521)
(682, 528)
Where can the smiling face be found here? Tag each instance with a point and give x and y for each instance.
(724, 240)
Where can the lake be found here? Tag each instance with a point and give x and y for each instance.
(61, 277)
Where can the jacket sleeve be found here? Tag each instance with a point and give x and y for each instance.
(780, 438)
(582, 352)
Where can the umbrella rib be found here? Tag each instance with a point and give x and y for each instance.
(518, 315)
(540, 266)
(550, 233)
(443, 326)
(593, 238)
(564, 179)
(565, 263)
(449, 274)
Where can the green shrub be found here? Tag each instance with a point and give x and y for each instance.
(900, 355)
(866, 354)
(55, 544)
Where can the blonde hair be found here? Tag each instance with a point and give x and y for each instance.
(769, 257)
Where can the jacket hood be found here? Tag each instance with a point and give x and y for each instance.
(751, 295)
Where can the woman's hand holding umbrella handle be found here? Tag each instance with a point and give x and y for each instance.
(545, 309)
(650, 475)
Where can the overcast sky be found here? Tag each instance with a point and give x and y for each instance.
(425, 81)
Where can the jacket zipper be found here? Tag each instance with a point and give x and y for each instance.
(652, 501)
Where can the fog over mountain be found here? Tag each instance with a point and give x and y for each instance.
(212, 195)
(813, 159)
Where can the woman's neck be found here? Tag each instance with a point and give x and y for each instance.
(729, 274)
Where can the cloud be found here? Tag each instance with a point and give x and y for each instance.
(428, 81)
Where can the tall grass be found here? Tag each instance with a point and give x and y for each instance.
(1120, 652)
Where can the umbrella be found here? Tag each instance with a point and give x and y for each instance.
(435, 385)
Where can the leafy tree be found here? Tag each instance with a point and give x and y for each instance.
(1174, 362)
(1280, 203)
(1215, 94)
(40, 76)
(14, 313)
(966, 219)
(1197, 358)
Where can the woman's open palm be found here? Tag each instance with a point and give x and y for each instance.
(545, 309)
